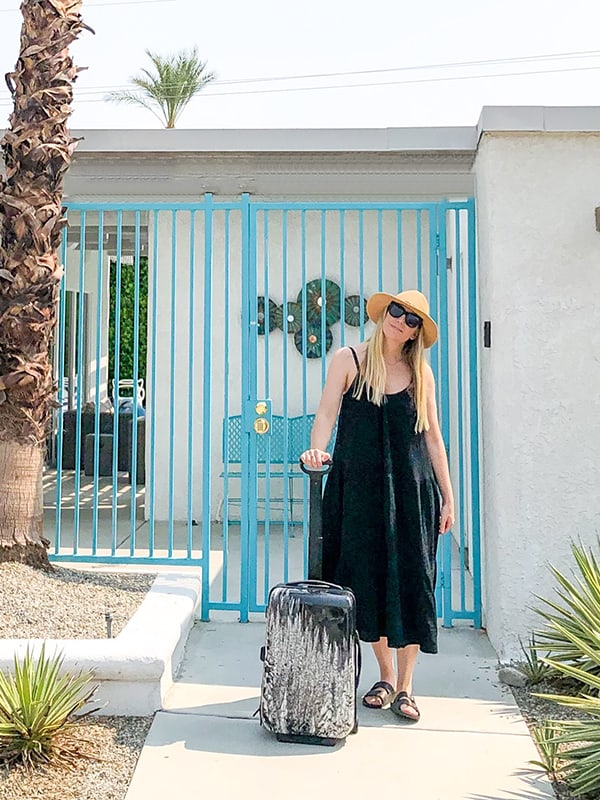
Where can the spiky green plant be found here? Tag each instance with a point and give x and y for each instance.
(575, 618)
(533, 667)
(168, 89)
(546, 739)
(37, 710)
(582, 756)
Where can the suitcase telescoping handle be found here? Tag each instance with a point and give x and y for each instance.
(315, 520)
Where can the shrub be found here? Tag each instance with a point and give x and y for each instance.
(572, 632)
(534, 668)
(582, 757)
(37, 711)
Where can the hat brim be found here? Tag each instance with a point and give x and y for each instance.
(378, 303)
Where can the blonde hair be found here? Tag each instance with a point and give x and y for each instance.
(373, 373)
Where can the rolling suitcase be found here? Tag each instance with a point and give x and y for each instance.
(312, 653)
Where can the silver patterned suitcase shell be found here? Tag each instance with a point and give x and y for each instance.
(311, 663)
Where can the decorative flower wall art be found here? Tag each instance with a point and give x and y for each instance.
(304, 317)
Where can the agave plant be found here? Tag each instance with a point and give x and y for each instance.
(534, 668)
(546, 739)
(582, 757)
(38, 705)
(572, 632)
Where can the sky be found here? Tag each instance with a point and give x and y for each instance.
(435, 55)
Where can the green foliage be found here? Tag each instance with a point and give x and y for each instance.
(572, 637)
(572, 630)
(37, 711)
(176, 79)
(126, 320)
(546, 739)
(582, 756)
(534, 668)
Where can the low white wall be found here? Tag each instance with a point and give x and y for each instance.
(539, 284)
(135, 670)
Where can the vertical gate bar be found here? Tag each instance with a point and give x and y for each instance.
(434, 257)
(62, 307)
(248, 467)
(305, 429)
(379, 250)
(342, 278)
(99, 299)
(361, 270)
(151, 476)
(434, 271)
(474, 412)
(136, 368)
(419, 251)
(173, 321)
(285, 465)
(206, 399)
(226, 377)
(399, 247)
(191, 396)
(460, 390)
(252, 464)
(444, 390)
(117, 367)
(80, 383)
(267, 532)
(323, 317)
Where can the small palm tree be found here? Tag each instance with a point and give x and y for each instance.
(169, 88)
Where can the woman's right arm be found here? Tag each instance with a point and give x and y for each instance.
(340, 369)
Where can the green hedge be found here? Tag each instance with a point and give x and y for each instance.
(127, 309)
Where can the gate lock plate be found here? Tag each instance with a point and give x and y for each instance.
(258, 416)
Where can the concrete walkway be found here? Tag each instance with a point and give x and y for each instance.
(471, 742)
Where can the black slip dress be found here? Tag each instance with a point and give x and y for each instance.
(381, 511)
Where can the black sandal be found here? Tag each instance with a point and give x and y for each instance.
(404, 699)
(382, 690)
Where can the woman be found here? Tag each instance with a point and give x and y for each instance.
(382, 510)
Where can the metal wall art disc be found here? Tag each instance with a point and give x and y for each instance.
(293, 312)
(313, 338)
(352, 310)
(314, 301)
(262, 316)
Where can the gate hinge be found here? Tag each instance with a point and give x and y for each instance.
(442, 580)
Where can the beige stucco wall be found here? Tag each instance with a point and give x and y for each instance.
(539, 285)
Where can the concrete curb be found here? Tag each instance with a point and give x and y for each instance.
(136, 669)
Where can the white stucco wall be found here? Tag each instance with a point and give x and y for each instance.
(539, 284)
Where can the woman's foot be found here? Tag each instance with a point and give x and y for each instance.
(404, 705)
(380, 695)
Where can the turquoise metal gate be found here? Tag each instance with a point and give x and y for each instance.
(191, 351)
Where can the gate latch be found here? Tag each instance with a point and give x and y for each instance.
(259, 412)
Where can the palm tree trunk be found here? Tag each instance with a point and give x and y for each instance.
(37, 151)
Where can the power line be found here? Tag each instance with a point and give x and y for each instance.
(102, 89)
(371, 85)
(81, 97)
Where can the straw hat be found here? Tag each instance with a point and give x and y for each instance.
(411, 300)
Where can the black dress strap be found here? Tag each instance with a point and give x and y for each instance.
(355, 357)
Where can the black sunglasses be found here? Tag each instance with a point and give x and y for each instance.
(412, 320)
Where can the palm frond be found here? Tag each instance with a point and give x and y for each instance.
(169, 86)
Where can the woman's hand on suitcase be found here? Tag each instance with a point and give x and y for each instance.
(315, 459)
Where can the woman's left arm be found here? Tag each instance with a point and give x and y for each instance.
(437, 453)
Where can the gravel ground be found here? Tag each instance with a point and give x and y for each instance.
(71, 604)
(115, 745)
(536, 710)
(66, 603)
